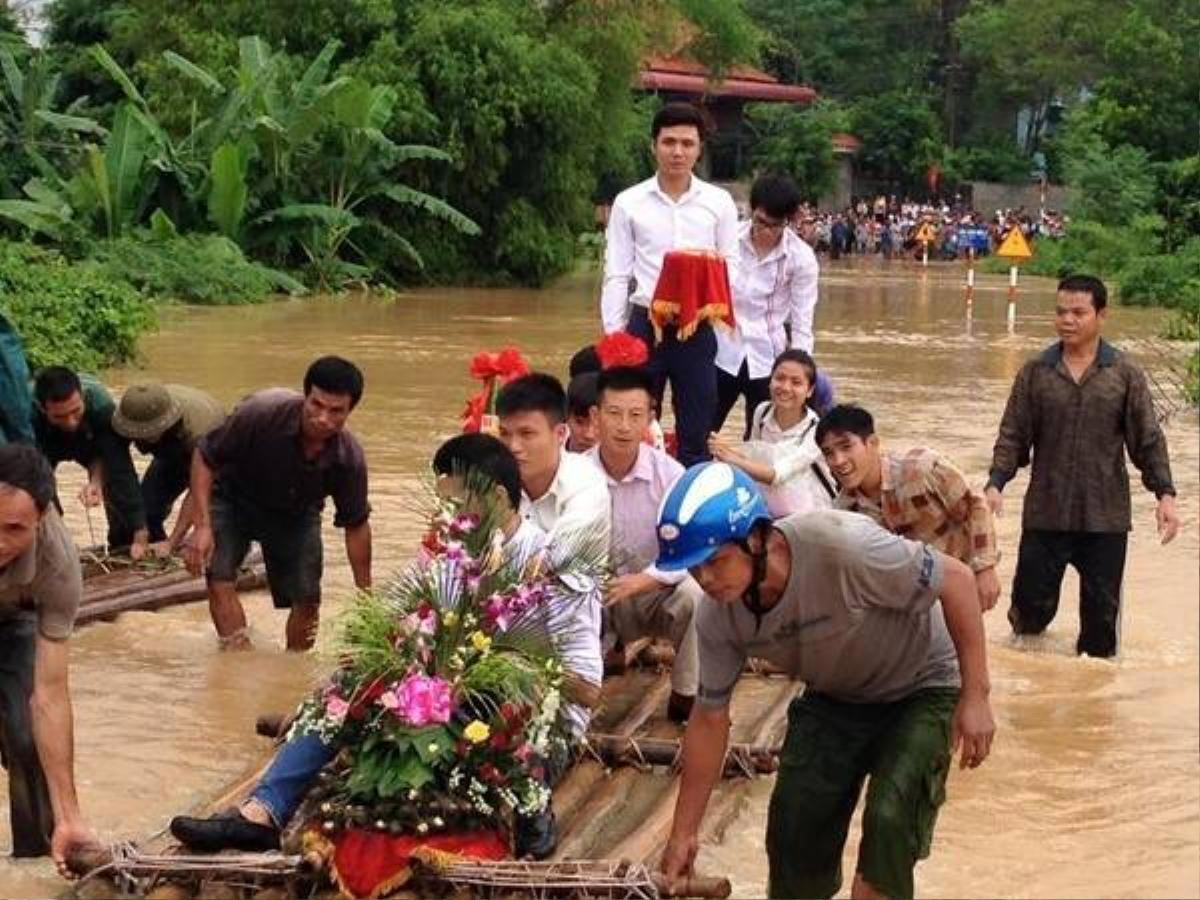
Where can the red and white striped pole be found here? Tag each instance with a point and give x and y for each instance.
(1012, 298)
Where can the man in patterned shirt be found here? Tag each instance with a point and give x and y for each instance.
(919, 494)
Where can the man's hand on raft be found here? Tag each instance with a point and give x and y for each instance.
(678, 859)
(70, 837)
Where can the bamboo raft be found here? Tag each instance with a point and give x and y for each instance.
(114, 585)
(614, 809)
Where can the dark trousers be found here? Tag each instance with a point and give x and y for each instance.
(691, 369)
(730, 387)
(163, 483)
(30, 812)
(1098, 557)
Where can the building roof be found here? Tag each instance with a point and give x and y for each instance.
(673, 73)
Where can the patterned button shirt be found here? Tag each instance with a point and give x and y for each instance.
(924, 497)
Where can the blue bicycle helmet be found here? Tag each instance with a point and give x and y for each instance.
(710, 505)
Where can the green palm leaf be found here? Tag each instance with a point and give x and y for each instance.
(436, 207)
(193, 71)
(228, 191)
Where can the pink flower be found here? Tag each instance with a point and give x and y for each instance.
(336, 707)
(421, 700)
(423, 621)
(464, 523)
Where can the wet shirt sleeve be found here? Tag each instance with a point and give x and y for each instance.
(1011, 451)
(58, 587)
(350, 503)
(1144, 438)
(721, 656)
(890, 572)
(225, 443)
(121, 487)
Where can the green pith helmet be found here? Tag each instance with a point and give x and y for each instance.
(146, 412)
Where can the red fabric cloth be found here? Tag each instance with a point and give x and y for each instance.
(693, 287)
(372, 863)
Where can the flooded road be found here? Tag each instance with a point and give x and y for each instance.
(1094, 784)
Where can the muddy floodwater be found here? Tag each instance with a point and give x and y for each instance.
(1093, 788)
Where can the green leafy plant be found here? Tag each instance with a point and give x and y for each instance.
(71, 314)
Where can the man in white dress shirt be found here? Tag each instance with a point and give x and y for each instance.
(643, 601)
(561, 492)
(776, 283)
(674, 210)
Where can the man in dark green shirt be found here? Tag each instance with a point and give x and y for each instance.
(1076, 409)
(72, 420)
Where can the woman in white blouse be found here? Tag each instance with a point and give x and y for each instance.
(782, 453)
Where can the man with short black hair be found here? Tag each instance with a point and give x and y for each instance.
(919, 494)
(642, 601)
(673, 210)
(562, 492)
(72, 420)
(1075, 409)
(581, 399)
(263, 475)
(40, 590)
(776, 286)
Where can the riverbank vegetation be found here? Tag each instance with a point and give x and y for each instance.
(223, 151)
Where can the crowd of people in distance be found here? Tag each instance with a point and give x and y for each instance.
(894, 229)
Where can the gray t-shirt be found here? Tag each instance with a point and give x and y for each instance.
(45, 578)
(859, 619)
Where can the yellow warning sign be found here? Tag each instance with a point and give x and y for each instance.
(926, 234)
(1014, 246)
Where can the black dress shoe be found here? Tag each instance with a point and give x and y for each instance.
(679, 707)
(224, 833)
(536, 836)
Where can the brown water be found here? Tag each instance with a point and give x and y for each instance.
(1094, 785)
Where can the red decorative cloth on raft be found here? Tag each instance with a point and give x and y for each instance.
(693, 287)
(369, 864)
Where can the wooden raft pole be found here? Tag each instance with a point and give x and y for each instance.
(157, 597)
(572, 878)
(741, 758)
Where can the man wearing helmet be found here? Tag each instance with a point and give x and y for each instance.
(895, 680)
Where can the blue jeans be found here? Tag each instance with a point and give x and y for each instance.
(291, 774)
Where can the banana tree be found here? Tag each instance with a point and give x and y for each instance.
(313, 167)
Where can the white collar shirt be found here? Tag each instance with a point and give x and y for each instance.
(644, 224)
(768, 292)
(636, 498)
(575, 508)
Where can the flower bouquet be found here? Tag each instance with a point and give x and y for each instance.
(494, 370)
(448, 700)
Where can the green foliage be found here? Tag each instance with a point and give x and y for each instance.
(1169, 279)
(1109, 185)
(71, 314)
(1146, 91)
(722, 35)
(900, 135)
(194, 268)
(1178, 202)
(798, 141)
(992, 157)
